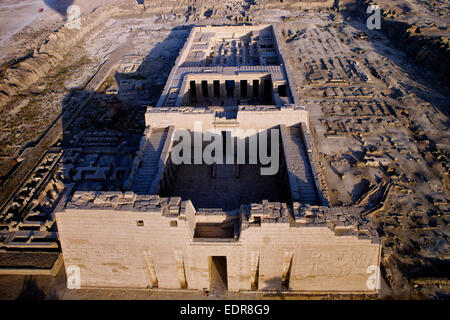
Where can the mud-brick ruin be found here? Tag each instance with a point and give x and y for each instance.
(198, 226)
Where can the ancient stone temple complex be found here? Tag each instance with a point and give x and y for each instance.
(198, 225)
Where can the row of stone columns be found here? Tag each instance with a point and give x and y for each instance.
(209, 90)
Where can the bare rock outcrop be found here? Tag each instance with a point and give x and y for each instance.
(19, 76)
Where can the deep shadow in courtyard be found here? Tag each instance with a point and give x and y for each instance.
(59, 6)
(434, 80)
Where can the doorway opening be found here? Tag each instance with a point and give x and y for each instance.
(218, 273)
(229, 85)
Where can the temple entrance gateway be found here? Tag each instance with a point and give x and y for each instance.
(218, 273)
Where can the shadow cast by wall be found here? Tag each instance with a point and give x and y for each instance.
(102, 129)
(433, 78)
(229, 185)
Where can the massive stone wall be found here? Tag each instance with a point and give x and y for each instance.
(321, 261)
(150, 241)
(248, 117)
